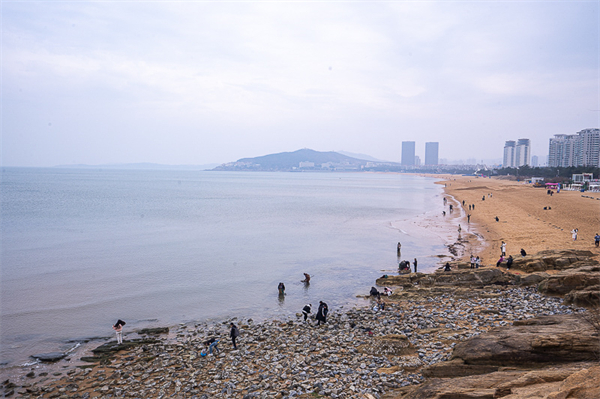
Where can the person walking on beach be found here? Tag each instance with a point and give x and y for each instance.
(415, 264)
(233, 334)
(118, 327)
(574, 234)
(473, 206)
(322, 313)
(306, 310)
(597, 240)
(503, 248)
(459, 229)
(469, 218)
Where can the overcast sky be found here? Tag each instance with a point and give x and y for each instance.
(195, 82)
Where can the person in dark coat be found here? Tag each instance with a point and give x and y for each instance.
(373, 292)
(523, 253)
(447, 267)
(415, 264)
(306, 310)
(233, 334)
(509, 262)
(322, 313)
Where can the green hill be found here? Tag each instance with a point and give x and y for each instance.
(292, 160)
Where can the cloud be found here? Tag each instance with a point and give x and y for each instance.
(287, 75)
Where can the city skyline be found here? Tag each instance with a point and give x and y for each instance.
(188, 83)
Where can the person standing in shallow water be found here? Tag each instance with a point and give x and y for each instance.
(281, 288)
(322, 313)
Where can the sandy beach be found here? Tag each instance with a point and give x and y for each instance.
(523, 221)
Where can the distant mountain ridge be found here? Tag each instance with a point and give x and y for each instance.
(300, 159)
(140, 166)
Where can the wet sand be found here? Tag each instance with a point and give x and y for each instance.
(523, 222)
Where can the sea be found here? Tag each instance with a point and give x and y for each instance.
(81, 248)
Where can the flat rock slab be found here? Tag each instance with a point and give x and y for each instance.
(50, 357)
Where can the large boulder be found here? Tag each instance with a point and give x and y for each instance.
(576, 380)
(547, 339)
(554, 260)
(588, 297)
(570, 280)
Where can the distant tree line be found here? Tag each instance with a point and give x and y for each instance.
(548, 173)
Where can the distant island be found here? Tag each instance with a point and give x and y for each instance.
(304, 160)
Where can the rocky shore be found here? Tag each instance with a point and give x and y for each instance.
(435, 329)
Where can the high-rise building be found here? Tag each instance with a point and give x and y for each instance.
(590, 147)
(581, 149)
(534, 161)
(509, 154)
(408, 153)
(516, 153)
(431, 153)
(523, 153)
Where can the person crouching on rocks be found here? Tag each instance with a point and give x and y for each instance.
(306, 310)
(447, 267)
(118, 327)
(212, 344)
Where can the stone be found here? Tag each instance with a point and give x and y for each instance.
(49, 357)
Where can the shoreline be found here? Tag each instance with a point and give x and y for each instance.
(523, 221)
(475, 239)
(357, 352)
(388, 375)
(83, 348)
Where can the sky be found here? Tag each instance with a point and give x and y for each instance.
(198, 82)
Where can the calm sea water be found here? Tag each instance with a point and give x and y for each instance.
(81, 248)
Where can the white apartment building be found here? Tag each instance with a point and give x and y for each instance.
(517, 153)
(580, 149)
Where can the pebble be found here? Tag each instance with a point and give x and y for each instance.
(290, 358)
